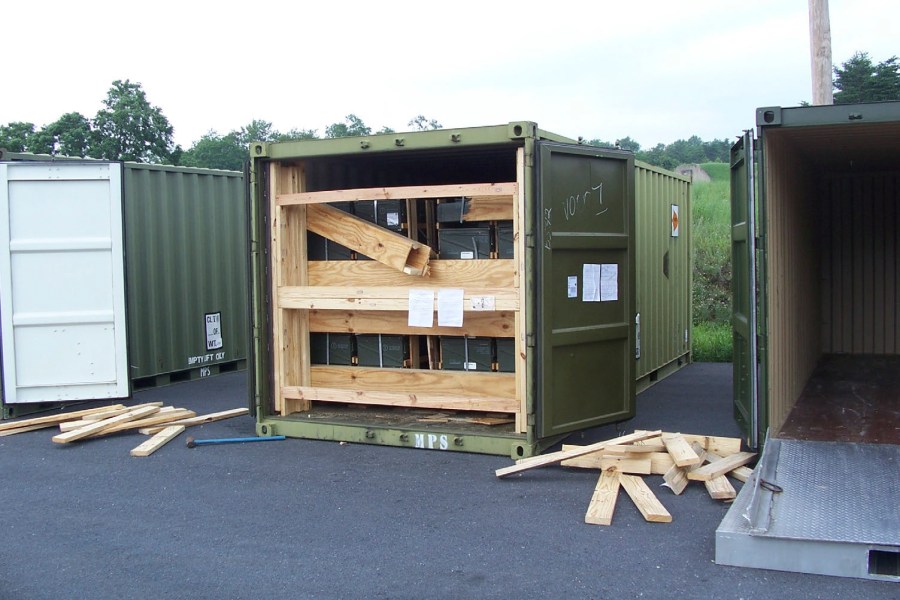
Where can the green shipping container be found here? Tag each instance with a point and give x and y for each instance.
(185, 241)
(664, 273)
(566, 296)
(176, 253)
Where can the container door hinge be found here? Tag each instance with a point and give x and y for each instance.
(529, 340)
(529, 240)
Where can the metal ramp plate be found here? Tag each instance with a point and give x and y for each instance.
(837, 512)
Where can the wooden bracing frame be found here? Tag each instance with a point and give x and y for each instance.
(372, 296)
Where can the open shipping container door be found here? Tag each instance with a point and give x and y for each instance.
(586, 287)
(823, 384)
(62, 282)
(745, 365)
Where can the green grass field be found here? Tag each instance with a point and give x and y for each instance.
(710, 222)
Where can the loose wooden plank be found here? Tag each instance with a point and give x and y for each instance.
(634, 466)
(92, 428)
(157, 441)
(556, 457)
(489, 421)
(700, 451)
(742, 474)
(682, 453)
(649, 505)
(387, 247)
(721, 466)
(166, 418)
(719, 488)
(53, 420)
(382, 298)
(675, 479)
(88, 419)
(660, 462)
(723, 446)
(637, 448)
(603, 502)
(201, 419)
(25, 429)
(399, 193)
(115, 412)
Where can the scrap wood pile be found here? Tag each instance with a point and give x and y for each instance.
(679, 458)
(161, 423)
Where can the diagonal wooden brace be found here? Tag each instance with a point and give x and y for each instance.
(378, 243)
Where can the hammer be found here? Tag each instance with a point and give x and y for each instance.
(192, 443)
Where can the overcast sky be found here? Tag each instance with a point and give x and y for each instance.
(653, 70)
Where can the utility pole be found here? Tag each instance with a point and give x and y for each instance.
(820, 52)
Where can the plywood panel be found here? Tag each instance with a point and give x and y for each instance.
(793, 275)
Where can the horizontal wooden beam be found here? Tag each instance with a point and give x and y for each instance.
(478, 324)
(487, 404)
(470, 384)
(382, 298)
(493, 273)
(399, 193)
(488, 208)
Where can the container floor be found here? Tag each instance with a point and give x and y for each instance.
(849, 398)
(394, 417)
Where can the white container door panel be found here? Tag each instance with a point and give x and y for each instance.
(62, 282)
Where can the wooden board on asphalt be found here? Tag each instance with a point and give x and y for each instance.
(556, 457)
(649, 505)
(603, 502)
(157, 441)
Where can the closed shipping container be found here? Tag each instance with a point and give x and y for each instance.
(176, 242)
(664, 273)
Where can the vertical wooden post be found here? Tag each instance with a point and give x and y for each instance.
(820, 52)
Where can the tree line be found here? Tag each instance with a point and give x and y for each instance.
(128, 127)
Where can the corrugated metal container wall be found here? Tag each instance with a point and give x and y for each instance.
(827, 267)
(664, 274)
(832, 281)
(185, 260)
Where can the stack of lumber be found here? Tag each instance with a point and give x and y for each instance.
(162, 423)
(627, 460)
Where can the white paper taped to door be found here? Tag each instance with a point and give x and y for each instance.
(600, 283)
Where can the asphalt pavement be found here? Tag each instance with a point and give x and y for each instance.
(317, 519)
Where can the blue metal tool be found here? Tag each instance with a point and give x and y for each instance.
(191, 442)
